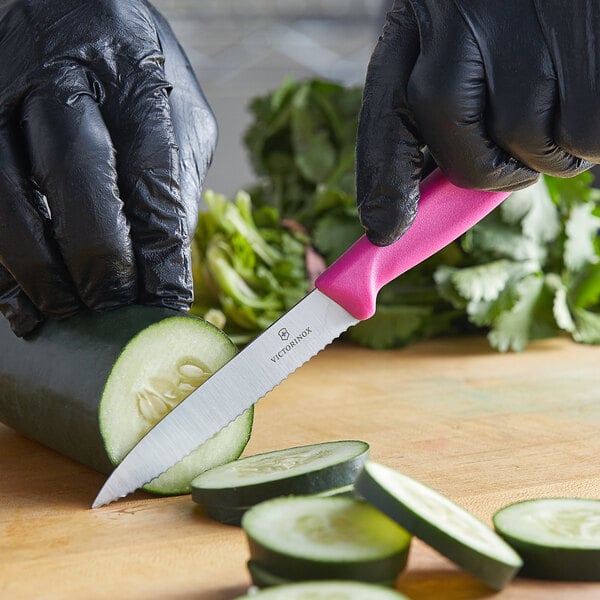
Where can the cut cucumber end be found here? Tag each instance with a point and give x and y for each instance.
(310, 537)
(558, 538)
(154, 372)
(440, 523)
(326, 590)
(293, 471)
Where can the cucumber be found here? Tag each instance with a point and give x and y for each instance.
(228, 515)
(311, 537)
(92, 385)
(232, 515)
(294, 471)
(343, 490)
(325, 590)
(449, 529)
(558, 538)
(263, 578)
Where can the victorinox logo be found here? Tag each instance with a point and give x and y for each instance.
(285, 336)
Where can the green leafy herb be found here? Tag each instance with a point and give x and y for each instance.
(248, 268)
(533, 266)
(301, 145)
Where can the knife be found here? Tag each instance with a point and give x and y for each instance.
(345, 293)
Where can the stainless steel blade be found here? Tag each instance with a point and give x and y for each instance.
(296, 337)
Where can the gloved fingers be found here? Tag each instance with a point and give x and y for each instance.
(388, 156)
(27, 246)
(577, 129)
(447, 92)
(520, 113)
(18, 309)
(194, 124)
(529, 133)
(73, 163)
(138, 117)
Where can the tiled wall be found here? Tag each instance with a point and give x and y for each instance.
(241, 48)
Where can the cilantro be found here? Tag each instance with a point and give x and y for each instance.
(511, 328)
(530, 274)
(580, 230)
(392, 326)
(301, 144)
(245, 277)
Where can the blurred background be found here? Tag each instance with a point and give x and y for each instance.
(243, 48)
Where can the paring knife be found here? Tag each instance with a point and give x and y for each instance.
(345, 293)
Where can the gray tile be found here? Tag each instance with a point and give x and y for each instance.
(271, 8)
(244, 48)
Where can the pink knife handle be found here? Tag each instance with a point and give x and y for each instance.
(445, 213)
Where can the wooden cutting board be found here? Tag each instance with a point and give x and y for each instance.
(484, 428)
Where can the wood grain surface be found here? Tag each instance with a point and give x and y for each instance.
(484, 428)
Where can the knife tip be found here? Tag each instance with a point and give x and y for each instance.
(107, 494)
(101, 499)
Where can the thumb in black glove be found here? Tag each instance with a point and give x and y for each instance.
(498, 91)
(105, 139)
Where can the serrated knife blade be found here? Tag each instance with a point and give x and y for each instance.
(346, 293)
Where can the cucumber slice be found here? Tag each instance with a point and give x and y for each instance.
(228, 515)
(558, 538)
(92, 385)
(342, 490)
(440, 523)
(300, 470)
(261, 577)
(301, 538)
(232, 515)
(326, 590)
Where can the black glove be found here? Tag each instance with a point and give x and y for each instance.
(498, 91)
(105, 139)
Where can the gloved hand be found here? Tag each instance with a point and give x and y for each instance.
(497, 91)
(105, 138)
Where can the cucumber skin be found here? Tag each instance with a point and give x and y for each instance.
(299, 569)
(228, 515)
(262, 577)
(311, 482)
(52, 381)
(495, 574)
(555, 564)
(232, 515)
